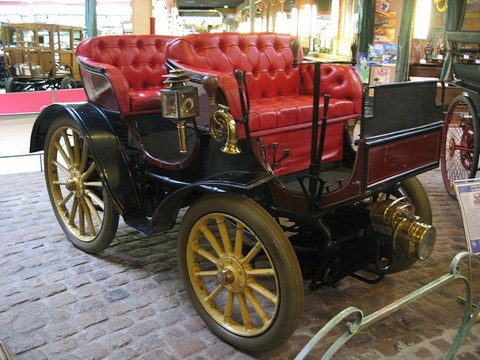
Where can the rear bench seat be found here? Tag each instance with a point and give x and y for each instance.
(280, 94)
(124, 73)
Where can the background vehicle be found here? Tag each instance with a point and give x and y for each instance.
(271, 204)
(40, 56)
(3, 70)
(462, 139)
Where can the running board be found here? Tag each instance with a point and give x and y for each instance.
(362, 322)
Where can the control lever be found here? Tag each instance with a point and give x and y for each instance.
(210, 84)
(241, 82)
(294, 46)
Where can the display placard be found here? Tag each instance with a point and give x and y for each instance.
(468, 196)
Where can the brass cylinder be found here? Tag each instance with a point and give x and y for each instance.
(182, 136)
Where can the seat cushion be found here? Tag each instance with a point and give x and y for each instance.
(277, 112)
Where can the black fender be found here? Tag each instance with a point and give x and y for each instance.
(107, 151)
(241, 182)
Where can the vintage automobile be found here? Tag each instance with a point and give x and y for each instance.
(459, 158)
(254, 141)
(40, 56)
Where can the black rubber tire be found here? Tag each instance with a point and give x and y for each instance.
(71, 195)
(10, 85)
(67, 83)
(262, 229)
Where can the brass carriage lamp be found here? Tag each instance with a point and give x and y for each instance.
(179, 103)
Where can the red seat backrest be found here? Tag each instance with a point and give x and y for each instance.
(266, 58)
(140, 58)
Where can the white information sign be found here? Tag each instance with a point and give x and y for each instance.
(468, 196)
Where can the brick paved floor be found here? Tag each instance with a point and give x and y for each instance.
(128, 302)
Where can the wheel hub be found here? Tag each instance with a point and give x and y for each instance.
(75, 184)
(451, 147)
(231, 274)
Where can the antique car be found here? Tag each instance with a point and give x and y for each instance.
(40, 56)
(459, 158)
(255, 143)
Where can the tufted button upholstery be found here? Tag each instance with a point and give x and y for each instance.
(124, 72)
(273, 82)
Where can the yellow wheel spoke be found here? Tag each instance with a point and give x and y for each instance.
(227, 315)
(65, 199)
(62, 153)
(261, 272)
(76, 150)
(93, 213)
(83, 161)
(207, 255)
(239, 234)
(73, 212)
(252, 253)
(61, 167)
(81, 219)
(206, 273)
(89, 171)
(94, 184)
(257, 306)
(214, 294)
(59, 182)
(94, 197)
(247, 321)
(68, 146)
(212, 240)
(262, 291)
(222, 227)
(88, 217)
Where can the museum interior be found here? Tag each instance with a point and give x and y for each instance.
(240, 179)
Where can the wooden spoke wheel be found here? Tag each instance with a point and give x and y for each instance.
(240, 271)
(79, 199)
(460, 154)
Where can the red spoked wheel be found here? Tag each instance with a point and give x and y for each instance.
(460, 154)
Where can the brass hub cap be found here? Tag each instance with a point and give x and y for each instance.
(75, 184)
(231, 274)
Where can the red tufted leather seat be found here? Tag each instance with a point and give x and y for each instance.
(124, 73)
(280, 94)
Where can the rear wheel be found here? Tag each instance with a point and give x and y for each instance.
(462, 143)
(240, 272)
(79, 199)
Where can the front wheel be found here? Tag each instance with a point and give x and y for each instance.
(240, 272)
(78, 196)
(462, 143)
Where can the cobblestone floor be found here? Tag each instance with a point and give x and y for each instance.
(128, 302)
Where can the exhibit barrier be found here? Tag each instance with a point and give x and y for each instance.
(9, 164)
(34, 101)
(361, 322)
